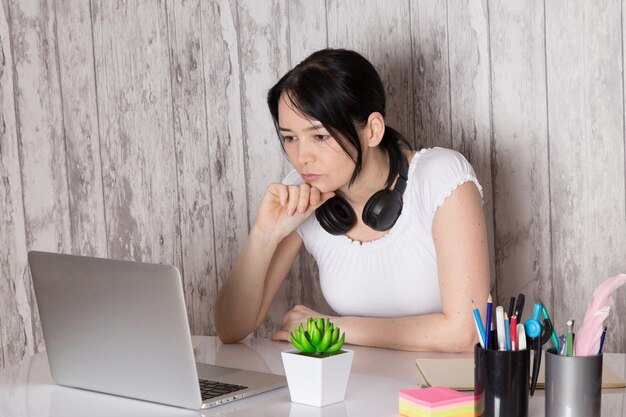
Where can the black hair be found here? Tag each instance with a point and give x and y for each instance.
(340, 89)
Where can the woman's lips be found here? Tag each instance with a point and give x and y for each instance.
(310, 177)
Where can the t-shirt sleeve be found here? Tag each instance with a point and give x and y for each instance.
(293, 178)
(441, 171)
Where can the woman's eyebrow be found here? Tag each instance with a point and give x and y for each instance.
(316, 127)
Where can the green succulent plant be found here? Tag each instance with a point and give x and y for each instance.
(320, 337)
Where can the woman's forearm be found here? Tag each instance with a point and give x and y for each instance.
(430, 332)
(238, 302)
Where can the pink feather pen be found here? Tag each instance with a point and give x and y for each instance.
(587, 340)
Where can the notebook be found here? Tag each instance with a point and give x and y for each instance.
(458, 374)
(121, 328)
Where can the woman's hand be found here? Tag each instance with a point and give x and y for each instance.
(284, 207)
(294, 317)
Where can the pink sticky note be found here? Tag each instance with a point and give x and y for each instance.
(435, 396)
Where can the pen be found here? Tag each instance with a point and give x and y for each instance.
(521, 337)
(519, 307)
(555, 339)
(488, 322)
(500, 328)
(534, 330)
(479, 325)
(570, 338)
(507, 332)
(511, 306)
(513, 332)
(602, 341)
(536, 365)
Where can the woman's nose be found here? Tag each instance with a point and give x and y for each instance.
(306, 151)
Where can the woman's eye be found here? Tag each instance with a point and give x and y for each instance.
(288, 138)
(321, 138)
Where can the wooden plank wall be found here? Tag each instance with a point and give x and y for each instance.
(141, 132)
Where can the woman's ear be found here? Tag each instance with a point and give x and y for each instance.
(375, 129)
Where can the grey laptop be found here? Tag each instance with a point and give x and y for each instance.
(121, 328)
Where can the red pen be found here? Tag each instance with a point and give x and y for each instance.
(513, 332)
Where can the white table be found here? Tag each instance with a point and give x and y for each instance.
(27, 390)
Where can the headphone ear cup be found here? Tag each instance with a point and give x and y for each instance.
(382, 210)
(336, 216)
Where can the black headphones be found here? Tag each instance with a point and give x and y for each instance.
(380, 213)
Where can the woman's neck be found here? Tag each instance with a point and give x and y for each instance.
(372, 178)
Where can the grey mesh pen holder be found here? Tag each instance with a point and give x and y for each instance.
(573, 385)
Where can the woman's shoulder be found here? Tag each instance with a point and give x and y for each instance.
(436, 172)
(435, 161)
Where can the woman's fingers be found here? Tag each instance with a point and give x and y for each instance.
(317, 198)
(297, 315)
(280, 192)
(281, 335)
(324, 197)
(284, 207)
(283, 194)
(294, 196)
(304, 198)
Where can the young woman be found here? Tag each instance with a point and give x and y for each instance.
(399, 237)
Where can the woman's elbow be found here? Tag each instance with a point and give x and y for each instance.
(463, 341)
(228, 338)
(230, 331)
(230, 334)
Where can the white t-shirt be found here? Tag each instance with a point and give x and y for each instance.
(395, 275)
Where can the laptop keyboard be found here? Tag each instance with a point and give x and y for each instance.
(212, 389)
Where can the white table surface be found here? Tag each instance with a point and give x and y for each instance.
(27, 390)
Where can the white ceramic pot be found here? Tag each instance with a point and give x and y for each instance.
(317, 381)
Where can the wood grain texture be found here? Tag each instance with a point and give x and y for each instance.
(135, 117)
(307, 34)
(520, 152)
(586, 128)
(223, 89)
(264, 58)
(142, 132)
(470, 124)
(40, 126)
(616, 260)
(185, 28)
(378, 30)
(16, 327)
(80, 125)
(41, 147)
(308, 30)
(430, 72)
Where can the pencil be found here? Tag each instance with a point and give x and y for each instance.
(570, 338)
(479, 325)
(507, 332)
(488, 322)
